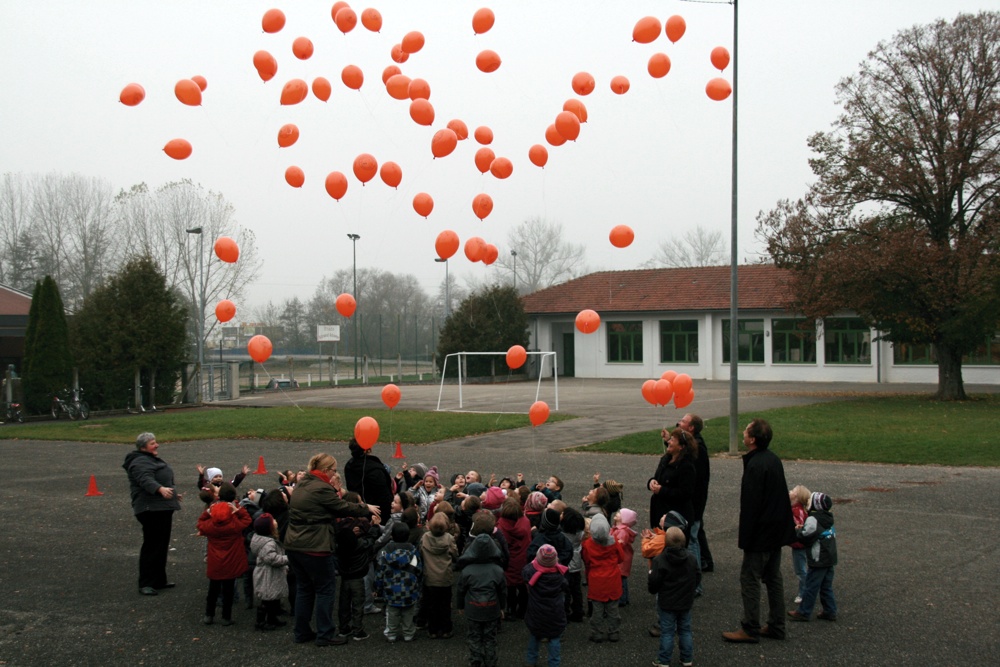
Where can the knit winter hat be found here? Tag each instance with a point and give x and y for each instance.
(433, 472)
(494, 498)
(821, 501)
(211, 473)
(262, 524)
(547, 556)
(483, 522)
(628, 516)
(536, 501)
(550, 520)
(613, 487)
(421, 470)
(220, 511)
(600, 530)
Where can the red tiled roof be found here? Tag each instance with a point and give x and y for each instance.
(761, 286)
(13, 302)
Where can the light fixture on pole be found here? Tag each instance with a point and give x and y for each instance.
(447, 288)
(201, 305)
(354, 244)
(513, 253)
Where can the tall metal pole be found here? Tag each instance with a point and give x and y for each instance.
(513, 253)
(447, 287)
(734, 382)
(354, 244)
(201, 307)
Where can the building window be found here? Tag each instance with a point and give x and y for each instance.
(986, 354)
(793, 341)
(679, 341)
(913, 354)
(624, 341)
(750, 339)
(847, 340)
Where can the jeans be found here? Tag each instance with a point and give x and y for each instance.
(316, 592)
(155, 545)
(800, 564)
(681, 622)
(555, 651)
(757, 567)
(694, 547)
(623, 600)
(819, 581)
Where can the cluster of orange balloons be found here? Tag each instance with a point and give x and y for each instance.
(671, 385)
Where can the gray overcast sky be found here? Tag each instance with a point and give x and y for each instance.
(656, 158)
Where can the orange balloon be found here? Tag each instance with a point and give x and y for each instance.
(265, 65)
(662, 391)
(201, 81)
(583, 83)
(620, 85)
(391, 174)
(398, 54)
(294, 92)
(553, 137)
(391, 395)
(587, 321)
(675, 28)
(491, 255)
(260, 348)
(659, 65)
(302, 47)
(488, 61)
(483, 135)
(178, 149)
(646, 30)
(226, 249)
(346, 305)
(538, 155)
(516, 356)
(622, 236)
(288, 135)
(371, 19)
(501, 167)
(482, 20)
(336, 184)
(132, 94)
(366, 432)
(423, 204)
(577, 107)
(337, 6)
(345, 19)
(682, 383)
(295, 177)
(273, 21)
(365, 167)
(568, 125)
(475, 248)
(460, 129)
(398, 87)
(225, 310)
(718, 89)
(443, 142)
(412, 42)
(390, 72)
(422, 113)
(482, 205)
(647, 391)
(446, 244)
(188, 92)
(669, 376)
(419, 89)
(538, 413)
(683, 400)
(484, 158)
(720, 58)
(322, 88)
(353, 77)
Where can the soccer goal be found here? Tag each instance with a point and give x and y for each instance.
(545, 359)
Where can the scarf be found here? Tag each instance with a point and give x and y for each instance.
(540, 570)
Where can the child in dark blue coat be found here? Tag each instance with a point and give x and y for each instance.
(546, 615)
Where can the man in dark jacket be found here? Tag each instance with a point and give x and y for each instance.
(766, 525)
(366, 475)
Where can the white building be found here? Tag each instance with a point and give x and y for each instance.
(654, 320)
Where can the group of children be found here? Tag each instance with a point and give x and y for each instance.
(502, 550)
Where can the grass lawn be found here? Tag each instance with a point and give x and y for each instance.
(892, 429)
(275, 423)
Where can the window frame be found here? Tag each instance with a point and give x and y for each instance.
(615, 341)
(837, 336)
(793, 339)
(741, 325)
(688, 336)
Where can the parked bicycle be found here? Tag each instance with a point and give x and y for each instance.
(12, 412)
(70, 404)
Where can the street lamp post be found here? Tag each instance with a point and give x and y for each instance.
(513, 253)
(201, 305)
(447, 288)
(354, 244)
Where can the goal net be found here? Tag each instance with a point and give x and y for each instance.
(502, 396)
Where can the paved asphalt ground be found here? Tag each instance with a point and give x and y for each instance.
(917, 582)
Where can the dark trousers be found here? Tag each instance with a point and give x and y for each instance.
(517, 600)
(437, 603)
(267, 612)
(226, 587)
(706, 554)
(155, 545)
(762, 567)
(350, 608)
(482, 642)
(574, 600)
(316, 578)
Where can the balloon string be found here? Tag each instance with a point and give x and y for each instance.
(280, 388)
(503, 396)
(390, 426)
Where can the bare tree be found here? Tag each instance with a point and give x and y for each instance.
(697, 247)
(17, 253)
(92, 247)
(537, 256)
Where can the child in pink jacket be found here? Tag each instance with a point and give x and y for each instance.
(624, 533)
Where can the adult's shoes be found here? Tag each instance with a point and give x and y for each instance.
(740, 637)
(795, 615)
(148, 590)
(766, 631)
(823, 616)
(335, 641)
(166, 585)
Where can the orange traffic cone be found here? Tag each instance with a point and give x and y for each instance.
(261, 468)
(399, 451)
(92, 487)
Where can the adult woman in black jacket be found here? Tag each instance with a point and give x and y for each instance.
(673, 484)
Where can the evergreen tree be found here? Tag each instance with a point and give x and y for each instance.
(489, 320)
(48, 362)
(29, 332)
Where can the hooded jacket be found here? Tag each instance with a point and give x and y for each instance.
(439, 552)
(482, 588)
(673, 578)
(366, 475)
(549, 532)
(354, 552)
(146, 474)
(311, 511)
(601, 556)
(819, 538)
(398, 572)
(270, 580)
(517, 533)
(227, 556)
(546, 613)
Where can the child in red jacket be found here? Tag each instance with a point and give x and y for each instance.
(223, 524)
(601, 556)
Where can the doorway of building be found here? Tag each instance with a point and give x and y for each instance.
(568, 368)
